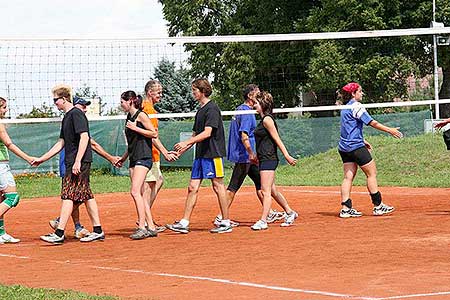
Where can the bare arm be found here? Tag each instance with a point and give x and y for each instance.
(391, 130)
(182, 147)
(248, 147)
(270, 126)
(103, 153)
(11, 146)
(159, 145)
(84, 140)
(442, 123)
(57, 147)
(149, 131)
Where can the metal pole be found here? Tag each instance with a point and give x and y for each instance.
(436, 74)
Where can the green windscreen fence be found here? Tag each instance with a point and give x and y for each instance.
(302, 136)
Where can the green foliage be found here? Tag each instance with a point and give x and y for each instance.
(177, 89)
(44, 111)
(17, 292)
(381, 65)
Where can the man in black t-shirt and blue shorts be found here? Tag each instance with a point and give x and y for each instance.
(209, 137)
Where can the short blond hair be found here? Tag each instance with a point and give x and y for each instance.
(63, 90)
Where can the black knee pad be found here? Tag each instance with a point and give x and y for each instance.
(376, 198)
(347, 203)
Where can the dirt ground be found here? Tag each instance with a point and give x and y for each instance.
(402, 256)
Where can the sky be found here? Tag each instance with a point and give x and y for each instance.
(107, 68)
(83, 18)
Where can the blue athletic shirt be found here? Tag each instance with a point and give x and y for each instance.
(241, 123)
(352, 121)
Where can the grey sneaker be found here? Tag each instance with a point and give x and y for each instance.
(80, 232)
(53, 238)
(275, 216)
(222, 228)
(153, 233)
(260, 225)
(7, 239)
(349, 213)
(382, 209)
(160, 229)
(177, 227)
(139, 234)
(289, 219)
(218, 220)
(93, 236)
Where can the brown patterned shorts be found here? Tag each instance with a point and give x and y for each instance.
(76, 187)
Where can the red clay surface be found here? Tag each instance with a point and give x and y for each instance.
(402, 256)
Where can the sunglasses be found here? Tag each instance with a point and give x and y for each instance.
(56, 99)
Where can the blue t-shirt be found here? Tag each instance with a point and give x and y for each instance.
(62, 165)
(241, 123)
(352, 121)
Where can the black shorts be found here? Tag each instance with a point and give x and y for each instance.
(240, 171)
(141, 162)
(360, 156)
(268, 165)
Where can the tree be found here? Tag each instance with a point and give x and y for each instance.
(87, 92)
(381, 65)
(44, 111)
(177, 89)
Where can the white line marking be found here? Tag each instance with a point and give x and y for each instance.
(240, 283)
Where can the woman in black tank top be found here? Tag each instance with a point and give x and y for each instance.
(139, 132)
(267, 143)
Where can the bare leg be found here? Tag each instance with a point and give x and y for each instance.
(66, 211)
(137, 175)
(267, 179)
(350, 170)
(279, 198)
(370, 170)
(219, 189)
(92, 210)
(191, 198)
(76, 213)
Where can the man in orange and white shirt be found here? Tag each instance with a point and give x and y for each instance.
(155, 179)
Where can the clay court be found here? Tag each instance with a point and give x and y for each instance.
(402, 256)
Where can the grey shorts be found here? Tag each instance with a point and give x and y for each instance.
(6, 177)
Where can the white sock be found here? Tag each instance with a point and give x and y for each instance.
(225, 222)
(184, 222)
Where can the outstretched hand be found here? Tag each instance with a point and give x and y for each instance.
(396, 133)
(171, 156)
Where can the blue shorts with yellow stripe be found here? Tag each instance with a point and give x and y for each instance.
(207, 168)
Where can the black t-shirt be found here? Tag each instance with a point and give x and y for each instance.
(266, 148)
(73, 124)
(139, 147)
(209, 116)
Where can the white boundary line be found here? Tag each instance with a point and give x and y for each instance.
(240, 283)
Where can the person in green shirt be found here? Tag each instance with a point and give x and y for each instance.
(8, 192)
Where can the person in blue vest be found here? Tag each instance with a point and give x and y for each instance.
(355, 151)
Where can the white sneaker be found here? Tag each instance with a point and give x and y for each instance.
(349, 213)
(260, 225)
(6, 238)
(275, 216)
(218, 220)
(53, 238)
(93, 236)
(382, 209)
(289, 219)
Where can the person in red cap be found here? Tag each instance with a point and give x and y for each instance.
(355, 151)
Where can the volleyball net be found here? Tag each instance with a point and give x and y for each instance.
(302, 71)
